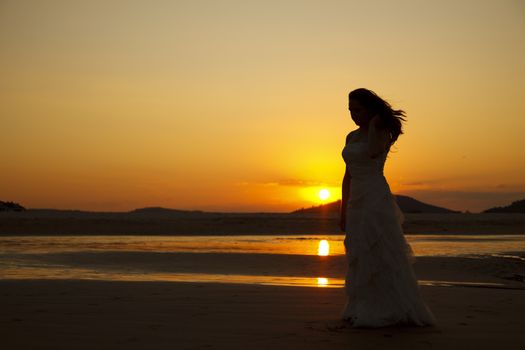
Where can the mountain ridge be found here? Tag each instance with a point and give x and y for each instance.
(515, 207)
(406, 204)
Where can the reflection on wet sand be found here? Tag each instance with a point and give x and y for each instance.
(423, 245)
(322, 281)
(324, 248)
(285, 281)
(306, 261)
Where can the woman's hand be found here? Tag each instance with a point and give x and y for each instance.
(378, 137)
(376, 121)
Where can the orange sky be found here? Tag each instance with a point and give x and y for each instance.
(242, 105)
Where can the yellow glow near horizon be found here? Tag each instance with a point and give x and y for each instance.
(324, 248)
(314, 195)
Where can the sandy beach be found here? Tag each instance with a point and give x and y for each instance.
(479, 301)
(87, 314)
(134, 315)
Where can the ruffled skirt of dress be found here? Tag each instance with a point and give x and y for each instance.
(380, 284)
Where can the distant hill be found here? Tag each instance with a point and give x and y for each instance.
(410, 205)
(515, 207)
(406, 204)
(135, 213)
(164, 211)
(11, 206)
(332, 207)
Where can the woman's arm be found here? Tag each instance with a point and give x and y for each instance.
(378, 138)
(345, 188)
(344, 199)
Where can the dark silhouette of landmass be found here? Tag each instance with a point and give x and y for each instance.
(164, 211)
(11, 206)
(514, 207)
(406, 204)
(332, 207)
(420, 218)
(410, 205)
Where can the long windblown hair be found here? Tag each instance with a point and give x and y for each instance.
(391, 119)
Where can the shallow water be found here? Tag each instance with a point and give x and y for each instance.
(423, 245)
(291, 260)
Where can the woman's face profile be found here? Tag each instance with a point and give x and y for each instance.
(360, 115)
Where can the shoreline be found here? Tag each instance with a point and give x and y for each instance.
(243, 224)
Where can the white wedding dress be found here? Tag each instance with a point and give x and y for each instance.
(380, 285)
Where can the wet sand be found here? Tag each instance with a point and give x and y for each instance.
(87, 314)
(122, 265)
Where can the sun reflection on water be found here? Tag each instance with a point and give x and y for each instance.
(292, 260)
(322, 281)
(324, 248)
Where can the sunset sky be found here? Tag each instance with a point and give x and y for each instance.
(242, 105)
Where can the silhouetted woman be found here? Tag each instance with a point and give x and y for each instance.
(381, 286)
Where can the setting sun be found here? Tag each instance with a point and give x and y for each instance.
(324, 194)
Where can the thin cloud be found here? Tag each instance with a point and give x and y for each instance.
(288, 182)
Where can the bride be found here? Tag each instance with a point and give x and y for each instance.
(380, 285)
